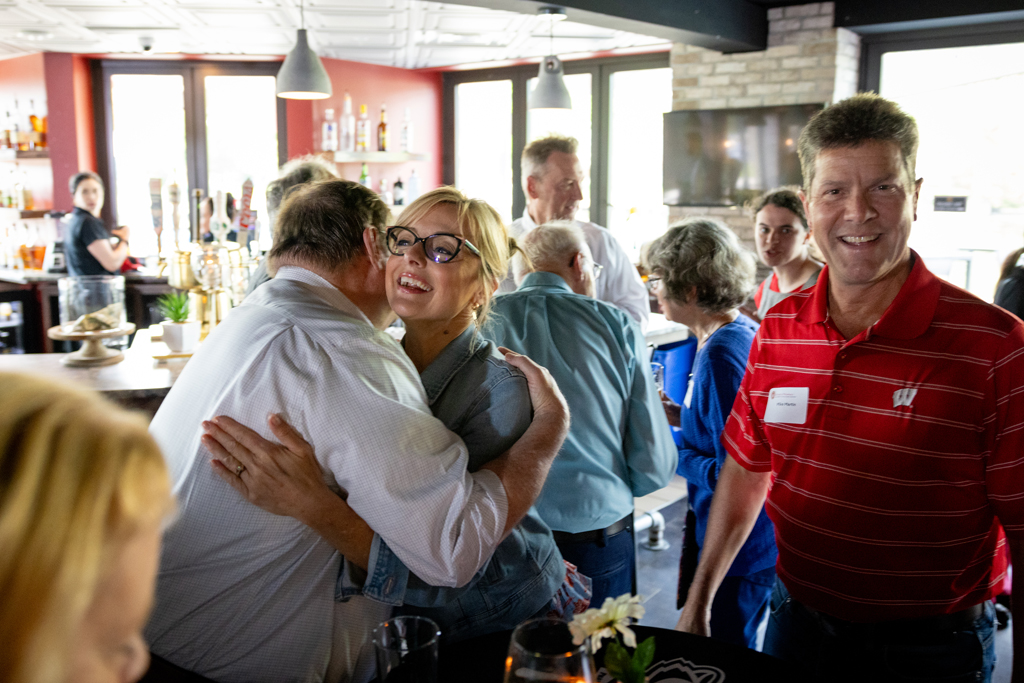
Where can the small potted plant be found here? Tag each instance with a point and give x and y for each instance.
(180, 334)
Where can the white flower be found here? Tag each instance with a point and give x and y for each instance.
(616, 614)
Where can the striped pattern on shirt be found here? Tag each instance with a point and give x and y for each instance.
(887, 501)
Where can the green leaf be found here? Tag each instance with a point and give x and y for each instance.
(617, 661)
(645, 652)
(642, 658)
(174, 306)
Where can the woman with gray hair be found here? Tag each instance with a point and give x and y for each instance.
(702, 276)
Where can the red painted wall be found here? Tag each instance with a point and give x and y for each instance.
(23, 78)
(84, 122)
(374, 85)
(299, 114)
(71, 136)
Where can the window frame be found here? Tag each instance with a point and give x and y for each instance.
(874, 45)
(193, 74)
(600, 70)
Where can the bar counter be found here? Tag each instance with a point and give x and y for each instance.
(139, 382)
(37, 292)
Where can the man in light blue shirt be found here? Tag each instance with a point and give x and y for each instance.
(619, 443)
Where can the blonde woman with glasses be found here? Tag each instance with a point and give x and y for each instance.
(447, 255)
(83, 493)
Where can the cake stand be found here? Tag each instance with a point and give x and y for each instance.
(93, 353)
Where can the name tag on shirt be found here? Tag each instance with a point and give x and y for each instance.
(787, 405)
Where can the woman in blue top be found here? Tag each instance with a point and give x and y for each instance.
(704, 275)
(448, 254)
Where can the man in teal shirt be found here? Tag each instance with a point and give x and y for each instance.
(619, 444)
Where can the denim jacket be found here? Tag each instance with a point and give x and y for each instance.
(486, 402)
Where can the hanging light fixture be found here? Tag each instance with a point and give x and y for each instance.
(550, 91)
(302, 76)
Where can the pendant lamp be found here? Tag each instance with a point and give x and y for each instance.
(302, 76)
(550, 91)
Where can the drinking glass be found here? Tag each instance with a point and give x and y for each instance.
(86, 294)
(406, 650)
(658, 370)
(542, 650)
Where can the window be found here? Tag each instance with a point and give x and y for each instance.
(617, 112)
(576, 122)
(141, 104)
(965, 88)
(636, 212)
(241, 147)
(483, 143)
(185, 123)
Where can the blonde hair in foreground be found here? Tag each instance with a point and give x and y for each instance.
(78, 478)
(480, 224)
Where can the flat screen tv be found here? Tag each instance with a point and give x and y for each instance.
(724, 157)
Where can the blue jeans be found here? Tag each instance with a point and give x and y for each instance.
(864, 652)
(609, 566)
(740, 605)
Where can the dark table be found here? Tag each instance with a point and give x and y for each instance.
(678, 657)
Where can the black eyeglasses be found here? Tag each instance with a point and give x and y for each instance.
(439, 248)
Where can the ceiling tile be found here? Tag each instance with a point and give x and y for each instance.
(115, 16)
(252, 18)
(407, 33)
(374, 21)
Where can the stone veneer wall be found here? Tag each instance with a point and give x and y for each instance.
(807, 61)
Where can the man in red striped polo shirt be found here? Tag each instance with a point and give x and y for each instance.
(882, 414)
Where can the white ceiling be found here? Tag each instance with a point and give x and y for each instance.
(404, 33)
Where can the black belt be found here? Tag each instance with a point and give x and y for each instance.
(595, 536)
(954, 621)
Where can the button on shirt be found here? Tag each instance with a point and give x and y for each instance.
(619, 444)
(245, 595)
(887, 499)
(619, 284)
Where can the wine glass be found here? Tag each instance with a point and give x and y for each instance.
(542, 650)
(406, 649)
(658, 371)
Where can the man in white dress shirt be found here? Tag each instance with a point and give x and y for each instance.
(246, 595)
(552, 175)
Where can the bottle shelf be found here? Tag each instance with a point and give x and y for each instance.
(378, 157)
(21, 214)
(18, 155)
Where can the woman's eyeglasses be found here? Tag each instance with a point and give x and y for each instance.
(439, 248)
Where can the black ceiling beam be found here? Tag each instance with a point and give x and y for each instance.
(723, 25)
(888, 15)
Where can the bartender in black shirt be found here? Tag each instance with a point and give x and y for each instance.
(87, 245)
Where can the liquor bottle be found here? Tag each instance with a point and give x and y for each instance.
(412, 187)
(36, 135)
(364, 175)
(399, 191)
(407, 132)
(19, 194)
(6, 141)
(329, 133)
(36, 248)
(20, 136)
(385, 194)
(382, 130)
(348, 127)
(363, 133)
